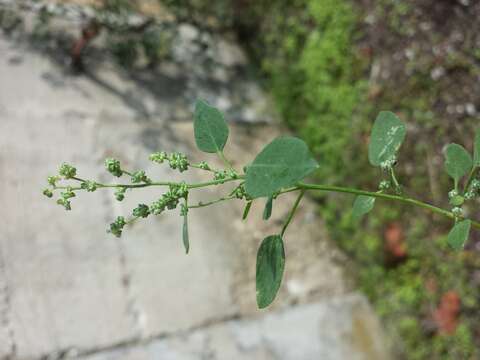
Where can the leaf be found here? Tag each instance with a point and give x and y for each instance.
(246, 210)
(362, 205)
(476, 149)
(458, 236)
(282, 163)
(267, 212)
(270, 266)
(186, 241)
(210, 128)
(387, 135)
(458, 161)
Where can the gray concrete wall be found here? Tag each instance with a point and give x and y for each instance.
(69, 290)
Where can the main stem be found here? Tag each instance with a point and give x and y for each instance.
(403, 199)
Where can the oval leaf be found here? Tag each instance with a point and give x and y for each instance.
(476, 149)
(362, 205)
(267, 212)
(458, 236)
(282, 163)
(387, 135)
(210, 128)
(270, 266)
(458, 161)
(186, 241)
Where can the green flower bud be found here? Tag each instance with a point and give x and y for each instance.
(67, 171)
(384, 185)
(113, 167)
(68, 193)
(120, 193)
(117, 226)
(470, 195)
(52, 180)
(158, 157)
(88, 185)
(48, 193)
(452, 194)
(141, 210)
(65, 203)
(204, 166)
(457, 211)
(139, 176)
(178, 161)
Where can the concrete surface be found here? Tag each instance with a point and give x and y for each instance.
(68, 289)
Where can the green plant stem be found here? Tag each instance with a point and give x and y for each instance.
(403, 199)
(227, 163)
(471, 176)
(395, 181)
(153, 183)
(292, 212)
(202, 204)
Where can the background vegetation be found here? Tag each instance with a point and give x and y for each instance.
(331, 66)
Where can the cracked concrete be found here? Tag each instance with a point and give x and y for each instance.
(69, 290)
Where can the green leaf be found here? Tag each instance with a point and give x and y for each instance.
(267, 212)
(362, 205)
(476, 149)
(458, 236)
(246, 210)
(186, 241)
(270, 266)
(282, 163)
(210, 128)
(387, 135)
(457, 200)
(458, 161)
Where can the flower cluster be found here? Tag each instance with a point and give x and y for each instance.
(388, 164)
(240, 193)
(67, 171)
(141, 210)
(176, 160)
(473, 190)
(120, 193)
(89, 185)
(139, 177)
(170, 199)
(384, 185)
(65, 198)
(117, 226)
(113, 167)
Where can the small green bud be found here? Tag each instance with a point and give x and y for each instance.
(117, 226)
(457, 211)
(139, 176)
(158, 157)
(65, 203)
(452, 194)
(120, 193)
(475, 185)
(67, 171)
(232, 174)
(204, 166)
(220, 175)
(178, 161)
(52, 180)
(470, 195)
(89, 185)
(388, 164)
(384, 185)
(141, 210)
(113, 167)
(48, 193)
(240, 192)
(68, 193)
